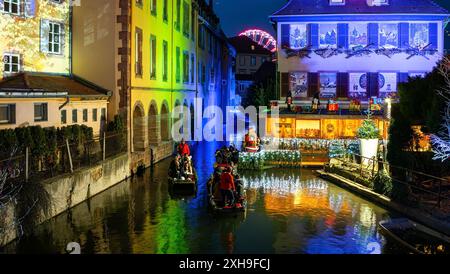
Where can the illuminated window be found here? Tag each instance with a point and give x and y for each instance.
(11, 63)
(298, 84)
(357, 85)
(387, 84)
(337, 2)
(388, 35)
(378, 2)
(54, 41)
(328, 85)
(357, 35)
(298, 36)
(328, 35)
(11, 6)
(419, 35)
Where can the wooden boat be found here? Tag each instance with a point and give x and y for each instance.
(417, 238)
(216, 204)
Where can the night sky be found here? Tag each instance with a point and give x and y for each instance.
(238, 15)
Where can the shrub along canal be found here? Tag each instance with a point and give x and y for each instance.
(289, 211)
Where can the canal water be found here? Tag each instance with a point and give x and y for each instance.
(289, 211)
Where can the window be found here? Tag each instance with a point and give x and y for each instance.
(212, 76)
(165, 11)
(388, 35)
(201, 36)
(11, 6)
(253, 61)
(8, 114)
(387, 84)
(103, 114)
(357, 85)
(419, 35)
(40, 112)
(153, 57)
(193, 24)
(298, 36)
(178, 70)
(177, 22)
(185, 67)
(378, 2)
(11, 63)
(139, 3)
(328, 35)
(242, 71)
(203, 74)
(337, 2)
(153, 7)
(138, 52)
(85, 115)
(186, 17)
(94, 115)
(192, 68)
(54, 38)
(357, 35)
(242, 60)
(63, 116)
(165, 60)
(328, 85)
(74, 116)
(298, 84)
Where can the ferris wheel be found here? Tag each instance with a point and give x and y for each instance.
(262, 38)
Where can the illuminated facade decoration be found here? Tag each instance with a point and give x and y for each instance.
(388, 41)
(262, 38)
(156, 55)
(34, 37)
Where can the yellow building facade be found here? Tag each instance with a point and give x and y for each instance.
(34, 36)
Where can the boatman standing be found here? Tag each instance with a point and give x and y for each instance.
(183, 149)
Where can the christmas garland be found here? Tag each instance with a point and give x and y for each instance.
(260, 160)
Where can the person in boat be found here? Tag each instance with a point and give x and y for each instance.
(175, 167)
(227, 187)
(183, 149)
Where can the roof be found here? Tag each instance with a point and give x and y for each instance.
(312, 7)
(243, 44)
(72, 85)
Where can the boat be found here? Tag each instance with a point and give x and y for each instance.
(216, 203)
(179, 184)
(415, 237)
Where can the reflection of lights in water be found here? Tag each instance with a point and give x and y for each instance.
(336, 202)
(285, 185)
(367, 216)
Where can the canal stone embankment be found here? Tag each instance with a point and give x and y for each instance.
(69, 190)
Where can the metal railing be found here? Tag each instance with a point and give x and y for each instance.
(427, 191)
(66, 158)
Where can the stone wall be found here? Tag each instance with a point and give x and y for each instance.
(69, 190)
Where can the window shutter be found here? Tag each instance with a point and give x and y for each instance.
(45, 29)
(1, 5)
(284, 84)
(343, 85)
(403, 77)
(12, 114)
(30, 8)
(403, 31)
(285, 36)
(373, 84)
(313, 83)
(373, 34)
(343, 36)
(433, 32)
(313, 34)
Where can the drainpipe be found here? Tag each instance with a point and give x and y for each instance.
(65, 103)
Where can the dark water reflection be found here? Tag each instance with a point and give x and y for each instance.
(289, 211)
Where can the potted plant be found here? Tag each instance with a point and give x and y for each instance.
(368, 135)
